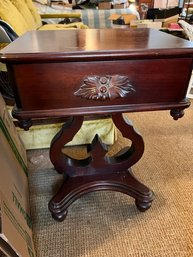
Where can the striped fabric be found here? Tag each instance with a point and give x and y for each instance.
(100, 18)
(91, 17)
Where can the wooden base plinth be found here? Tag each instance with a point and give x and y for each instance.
(74, 187)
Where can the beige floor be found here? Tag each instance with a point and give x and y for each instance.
(107, 224)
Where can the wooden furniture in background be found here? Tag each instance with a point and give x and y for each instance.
(144, 6)
(188, 31)
(92, 72)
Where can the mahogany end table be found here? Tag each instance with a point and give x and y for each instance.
(77, 73)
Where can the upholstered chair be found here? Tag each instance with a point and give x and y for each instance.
(18, 17)
(21, 16)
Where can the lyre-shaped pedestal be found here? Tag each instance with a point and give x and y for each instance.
(97, 171)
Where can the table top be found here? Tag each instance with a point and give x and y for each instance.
(93, 43)
(83, 72)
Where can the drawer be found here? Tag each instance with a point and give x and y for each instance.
(100, 84)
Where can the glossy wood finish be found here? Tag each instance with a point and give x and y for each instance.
(97, 171)
(76, 73)
(59, 61)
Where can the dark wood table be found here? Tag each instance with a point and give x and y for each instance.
(77, 73)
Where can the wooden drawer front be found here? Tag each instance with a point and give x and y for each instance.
(55, 85)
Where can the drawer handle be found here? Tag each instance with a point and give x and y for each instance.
(105, 87)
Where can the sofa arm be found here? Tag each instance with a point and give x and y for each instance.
(60, 15)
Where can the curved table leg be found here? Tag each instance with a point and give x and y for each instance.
(98, 172)
(65, 135)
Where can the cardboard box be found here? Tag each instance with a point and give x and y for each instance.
(10, 131)
(167, 21)
(153, 25)
(146, 24)
(118, 6)
(15, 220)
(135, 23)
(122, 19)
(104, 5)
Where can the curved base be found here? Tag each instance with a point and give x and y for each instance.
(75, 187)
(98, 171)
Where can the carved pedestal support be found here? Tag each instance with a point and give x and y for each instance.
(97, 171)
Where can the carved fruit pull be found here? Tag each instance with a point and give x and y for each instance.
(105, 87)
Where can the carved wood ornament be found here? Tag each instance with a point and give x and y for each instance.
(105, 87)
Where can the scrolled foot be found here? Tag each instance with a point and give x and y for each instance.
(142, 206)
(60, 216)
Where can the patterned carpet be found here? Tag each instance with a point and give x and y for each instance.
(107, 224)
